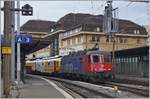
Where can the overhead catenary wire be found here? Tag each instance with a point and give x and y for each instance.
(92, 7)
(100, 7)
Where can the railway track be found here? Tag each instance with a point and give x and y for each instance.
(74, 94)
(133, 82)
(136, 89)
(82, 91)
(88, 90)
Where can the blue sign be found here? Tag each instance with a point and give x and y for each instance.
(24, 39)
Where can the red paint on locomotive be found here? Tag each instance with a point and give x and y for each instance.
(95, 62)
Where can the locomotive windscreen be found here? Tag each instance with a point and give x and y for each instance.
(95, 58)
(107, 58)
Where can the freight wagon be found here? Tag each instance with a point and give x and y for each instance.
(30, 66)
(47, 66)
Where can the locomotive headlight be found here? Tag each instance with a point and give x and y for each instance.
(95, 69)
(102, 65)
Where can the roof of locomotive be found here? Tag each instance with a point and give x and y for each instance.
(87, 52)
(98, 52)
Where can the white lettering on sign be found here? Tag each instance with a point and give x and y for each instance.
(27, 40)
(19, 40)
(23, 39)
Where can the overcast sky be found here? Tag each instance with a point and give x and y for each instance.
(53, 10)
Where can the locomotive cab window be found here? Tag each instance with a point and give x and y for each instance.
(107, 58)
(95, 58)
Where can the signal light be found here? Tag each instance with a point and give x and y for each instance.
(27, 10)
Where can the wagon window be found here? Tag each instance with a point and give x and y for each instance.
(95, 58)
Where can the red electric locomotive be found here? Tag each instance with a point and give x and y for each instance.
(97, 61)
(87, 64)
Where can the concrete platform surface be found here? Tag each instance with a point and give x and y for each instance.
(36, 87)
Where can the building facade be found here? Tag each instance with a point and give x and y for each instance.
(85, 31)
(38, 29)
(79, 39)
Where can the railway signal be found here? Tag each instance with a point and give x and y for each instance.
(27, 10)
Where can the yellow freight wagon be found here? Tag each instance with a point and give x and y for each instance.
(57, 65)
(52, 65)
(30, 66)
(48, 66)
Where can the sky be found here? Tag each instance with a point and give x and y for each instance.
(53, 10)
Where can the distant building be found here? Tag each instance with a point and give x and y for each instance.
(38, 29)
(84, 31)
(79, 39)
(148, 30)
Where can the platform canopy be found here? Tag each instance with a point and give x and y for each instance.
(39, 42)
(38, 29)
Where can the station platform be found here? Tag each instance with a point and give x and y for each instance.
(38, 87)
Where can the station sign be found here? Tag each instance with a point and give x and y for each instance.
(24, 39)
(6, 50)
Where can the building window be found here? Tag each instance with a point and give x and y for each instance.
(138, 32)
(125, 40)
(76, 30)
(134, 31)
(95, 38)
(52, 30)
(138, 41)
(79, 39)
(97, 29)
(68, 42)
(74, 41)
(80, 29)
(107, 39)
(70, 32)
(120, 40)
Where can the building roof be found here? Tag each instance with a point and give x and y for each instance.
(73, 20)
(37, 26)
(138, 51)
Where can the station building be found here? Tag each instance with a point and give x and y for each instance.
(88, 34)
(38, 29)
(84, 31)
(79, 39)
